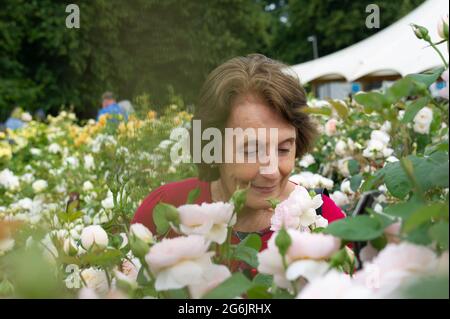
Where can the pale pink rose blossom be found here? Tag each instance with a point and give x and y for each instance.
(334, 285)
(330, 127)
(305, 246)
(299, 209)
(392, 232)
(395, 265)
(179, 262)
(208, 219)
(213, 276)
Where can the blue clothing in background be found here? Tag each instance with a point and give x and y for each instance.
(113, 109)
(13, 123)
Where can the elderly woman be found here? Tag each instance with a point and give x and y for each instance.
(251, 92)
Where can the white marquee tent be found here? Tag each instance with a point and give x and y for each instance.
(394, 51)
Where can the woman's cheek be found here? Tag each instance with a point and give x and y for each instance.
(286, 165)
(244, 172)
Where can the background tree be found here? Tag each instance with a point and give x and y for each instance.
(158, 46)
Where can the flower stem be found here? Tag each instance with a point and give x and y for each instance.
(439, 52)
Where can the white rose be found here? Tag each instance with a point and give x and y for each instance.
(87, 186)
(395, 265)
(307, 160)
(342, 166)
(381, 136)
(305, 257)
(35, 151)
(94, 236)
(421, 128)
(8, 180)
(26, 117)
(108, 202)
(89, 162)
(71, 161)
(179, 262)
(386, 127)
(54, 148)
(424, 116)
(340, 198)
(39, 185)
(96, 280)
(141, 232)
(208, 219)
(334, 285)
(341, 148)
(346, 188)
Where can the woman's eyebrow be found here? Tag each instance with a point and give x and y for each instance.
(290, 139)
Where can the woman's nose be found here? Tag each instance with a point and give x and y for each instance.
(270, 168)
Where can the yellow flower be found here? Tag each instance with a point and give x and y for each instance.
(81, 139)
(151, 115)
(102, 120)
(5, 151)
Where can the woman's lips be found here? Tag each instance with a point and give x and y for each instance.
(264, 189)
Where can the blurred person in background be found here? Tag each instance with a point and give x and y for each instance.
(110, 106)
(15, 120)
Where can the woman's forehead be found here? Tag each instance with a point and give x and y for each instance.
(253, 112)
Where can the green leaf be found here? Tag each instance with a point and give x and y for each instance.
(248, 255)
(359, 228)
(282, 294)
(106, 258)
(403, 210)
(162, 215)
(413, 108)
(177, 294)
(252, 241)
(317, 110)
(371, 100)
(353, 167)
(428, 287)
(426, 78)
(399, 89)
(232, 287)
(425, 214)
(379, 243)
(439, 233)
(372, 181)
(263, 280)
(442, 147)
(355, 181)
(193, 195)
(258, 292)
(340, 108)
(142, 278)
(274, 202)
(396, 180)
(420, 235)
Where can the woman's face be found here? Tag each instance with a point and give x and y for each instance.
(252, 112)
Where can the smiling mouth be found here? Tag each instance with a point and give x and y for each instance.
(264, 189)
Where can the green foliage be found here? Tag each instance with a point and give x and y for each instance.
(232, 287)
(127, 47)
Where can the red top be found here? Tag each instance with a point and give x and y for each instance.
(176, 194)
